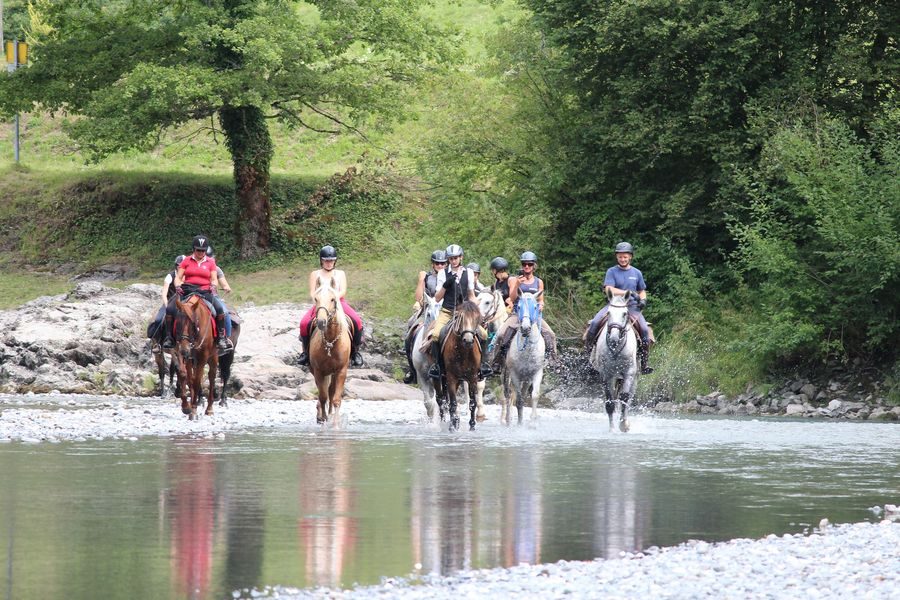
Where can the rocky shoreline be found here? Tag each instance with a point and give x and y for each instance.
(92, 341)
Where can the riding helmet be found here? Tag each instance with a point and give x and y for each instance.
(439, 256)
(454, 250)
(178, 260)
(500, 264)
(201, 242)
(328, 252)
(624, 247)
(210, 253)
(474, 266)
(528, 256)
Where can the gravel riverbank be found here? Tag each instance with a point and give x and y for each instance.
(855, 561)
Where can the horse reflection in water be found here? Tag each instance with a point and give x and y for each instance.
(192, 506)
(465, 518)
(326, 529)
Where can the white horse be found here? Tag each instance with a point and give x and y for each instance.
(614, 357)
(523, 370)
(422, 362)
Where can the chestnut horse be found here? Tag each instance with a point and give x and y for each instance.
(461, 354)
(329, 352)
(196, 348)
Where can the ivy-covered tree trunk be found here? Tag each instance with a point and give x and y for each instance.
(248, 140)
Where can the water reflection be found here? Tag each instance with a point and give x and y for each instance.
(327, 529)
(192, 507)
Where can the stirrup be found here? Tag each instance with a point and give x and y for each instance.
(356, 359)
(168, 343)
(434, 372)
(303, 359)
(485, 371)
(410, 377)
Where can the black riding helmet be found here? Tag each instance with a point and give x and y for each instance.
(178, 260)
(500, 264)
(210, 253)
(475, 267)
(439, 256)
(327, 253)
(201, 242)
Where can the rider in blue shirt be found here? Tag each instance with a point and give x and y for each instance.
(620, 279)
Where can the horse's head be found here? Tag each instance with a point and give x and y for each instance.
(528, 311)
(468, 320)
(617, 321)
(328, 305)
(186, 326)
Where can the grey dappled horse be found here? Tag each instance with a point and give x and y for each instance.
(523, 370)
(614, 357)
(422, 360)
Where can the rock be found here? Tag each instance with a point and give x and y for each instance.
(835, 405)
(365, 389)
(794, 410)
(797, 385)
(881, 414)
(708, 400)
(809, 390)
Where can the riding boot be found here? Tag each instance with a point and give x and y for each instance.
(356, 358)
(169, 342)
(411, 376)
(222, 343)
(644, 353)
(435, 371)
(303, 360)
(484, 369)
(591, 336)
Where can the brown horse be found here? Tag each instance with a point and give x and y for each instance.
(227, 359)
(196, 348)
(461, 354)
(329, 352)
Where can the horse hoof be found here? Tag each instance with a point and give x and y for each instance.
(624, 426)
(471, 427)
(186, 411)
(208, 413)
(481, 418)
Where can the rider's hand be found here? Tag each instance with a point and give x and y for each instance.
(416, 306)
(214, 289)
(451, 279)
(179, 290)
(641, 303)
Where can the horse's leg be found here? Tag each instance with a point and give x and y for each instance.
(322, 383)
(336, 393)
(473, 387)
(225, 374)
(212, 385)
(535, 392)
(184, 387)
(451, 388)
(161, 370)
(440, 390)
(610, 402)
(626, 394)
(479, 400)
(520, 399)
(505, 406)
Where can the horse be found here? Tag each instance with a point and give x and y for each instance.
(329, 352)
(461, 354)
(156, 335)
(614, 357)
(196, 348)
(226, 360)
(493, 314)
(422, 360)
(523, 369)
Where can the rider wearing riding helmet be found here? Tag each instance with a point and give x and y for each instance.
(620, 279)
(223, 285)
(476, 270)
(500, 271)
(458, 286)
(168, 290)
(427, 284)
(528, 282)
(197, 275)
(326, 275)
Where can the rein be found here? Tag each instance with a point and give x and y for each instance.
(330, 319)
(623, 337)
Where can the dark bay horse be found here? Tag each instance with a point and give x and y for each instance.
(461, 354)
(329, 352)
(226, 360)
(196, 348)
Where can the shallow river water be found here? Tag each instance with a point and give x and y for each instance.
(214, 517)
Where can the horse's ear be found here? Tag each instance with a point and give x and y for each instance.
(318, 282)
(627, 295)
(332, 283)
(539, 294)
(609, 294)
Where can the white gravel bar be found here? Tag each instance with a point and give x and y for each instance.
(849, 562)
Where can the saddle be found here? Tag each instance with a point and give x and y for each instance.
(195, 299)
(634, 324)
(235, 317)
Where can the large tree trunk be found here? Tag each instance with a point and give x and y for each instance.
(248, 140)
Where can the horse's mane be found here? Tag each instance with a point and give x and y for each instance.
(469, 307)
(618, 301)
(327, 288)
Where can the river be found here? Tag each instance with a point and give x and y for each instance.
(210, 517)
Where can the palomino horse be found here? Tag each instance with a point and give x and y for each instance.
(422, 360)
(196, 348)
(615, 357)
(461, 354)
(493, 314)
(329, 352)
(524, 366)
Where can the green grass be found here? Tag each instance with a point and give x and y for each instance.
(18, 288)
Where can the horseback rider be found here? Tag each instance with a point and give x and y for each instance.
(458, 287)
(223, 285)
(476, 269)
(428, 284)
(326, 275)
(500, 270)
(527, 282)
(168, 290)
(619, 279)
(197, 275)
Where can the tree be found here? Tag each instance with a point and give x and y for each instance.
(131, 69)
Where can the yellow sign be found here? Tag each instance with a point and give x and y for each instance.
(10, 54)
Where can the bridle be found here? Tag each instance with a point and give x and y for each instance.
(623, 329)
(329, 319)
